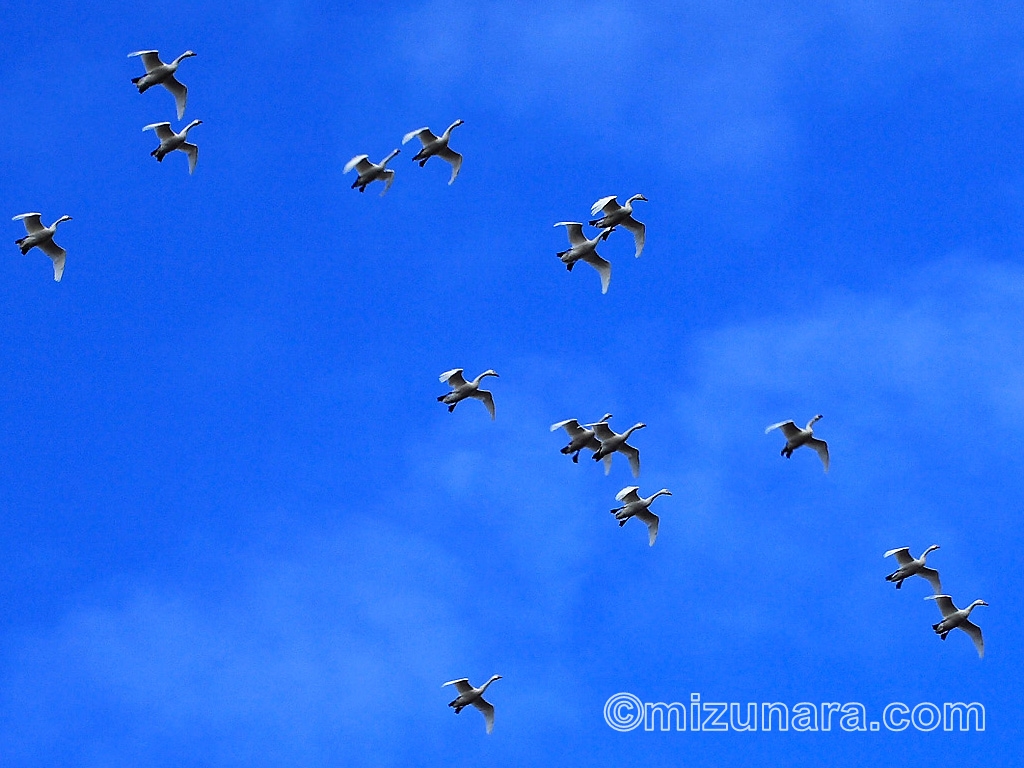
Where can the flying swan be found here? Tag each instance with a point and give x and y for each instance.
(41, 237)
(436, 145)
(909, 566)
(581, 249)
(461, 389)
(612, 442)
(468, 695)
(158, 73)
(620, 216)
(369, 172)
(637, 506)
(170, 141)
(580, 438)
(954, 619)
(795, 437)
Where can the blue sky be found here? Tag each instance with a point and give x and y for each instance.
(237, 528)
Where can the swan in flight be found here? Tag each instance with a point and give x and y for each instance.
(953, 619)
(369, 173)
(461, 389)
(911, 567)
(38, 236)
(581, 249)
(620, 216)
(612, 442)
(170, 141)
(436, 145)
(158, 73)
(795, 437)
(468, 695)
(580, 438)
(637, 506)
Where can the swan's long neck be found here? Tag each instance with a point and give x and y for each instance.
(634, 197)
(62, 218)
(811, 423)
(631, 430)
(387, 159)
(974, 605)
(930, 549)
(484, 686)
(191, 125)
(448, 131)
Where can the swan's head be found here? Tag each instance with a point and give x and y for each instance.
(456, 124)
(664, 492)
(932, 548)
(387, 159)
(187, 54)
(62, 218)
(638, 425)
(638, 197)
(978, 602)
(192, 125)
(490, 373)
(604, 419)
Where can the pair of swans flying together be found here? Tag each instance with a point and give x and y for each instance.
(38, 236)
(461, 389)
(369, 172)
(602, 440)
(158, 73)
(470, 696)
(171, 141)
(635, 505)
(911, 566)
(796, 437)
(582, 248)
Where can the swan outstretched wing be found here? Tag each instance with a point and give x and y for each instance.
(485, 397)
(606, 204)
(488, 712)
(602, 430)
(193, 155)
(933, 578)
(571, 426)
(388, 177)
(821, 448)
(453, 158)
(454, 378)
(57, 255)
(603, 267)
(945, 603)
(150, 59)
(974, 631)
(633, 455)
(902, 555)
(628, 494)
(639, 233)
(461, 685)
(424, 134)
(361, 163)
(651, 520)
(789, 429)
(180, 93)
(163, 130)
(33, 222)
(575, 232)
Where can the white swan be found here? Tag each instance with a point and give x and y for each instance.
(41, 237)
(158, 73)
(612, 442)
(795, 437)
(369, 172)
(913, 567)
(461, 389)
(637, 506)
(581, 249)
(580, 438)
(468, 695)
(620, 216)
(170, 141)
(957, 619)
(436, 145)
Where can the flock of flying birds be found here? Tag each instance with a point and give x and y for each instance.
(597, 437)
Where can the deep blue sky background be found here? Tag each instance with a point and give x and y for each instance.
(238, 530)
